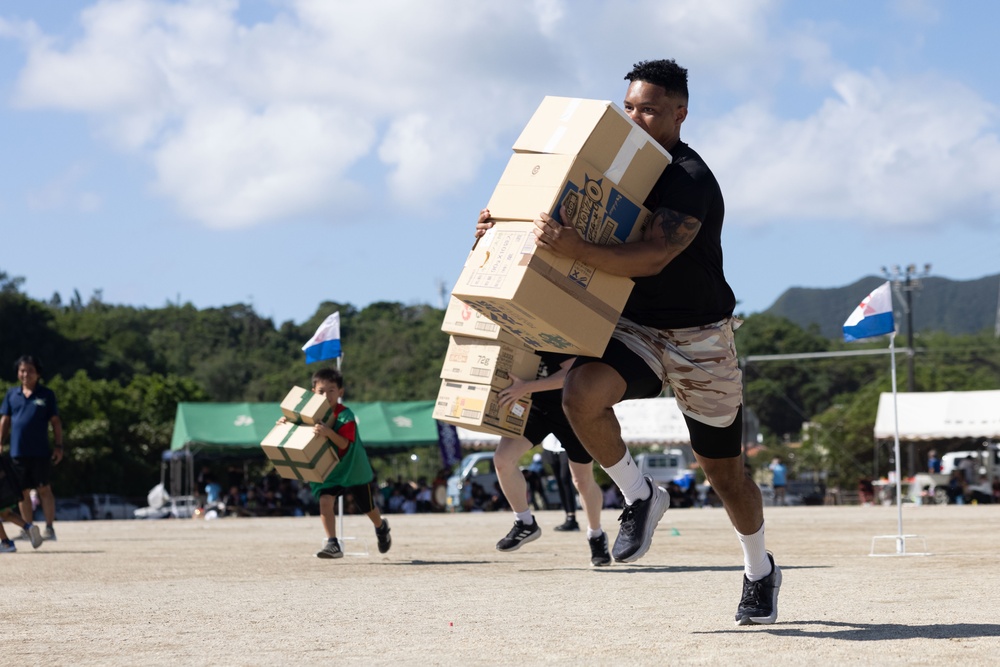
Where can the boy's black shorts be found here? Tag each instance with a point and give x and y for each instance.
(34, 471)
(547, 416)
(363, 494)
(11, 491)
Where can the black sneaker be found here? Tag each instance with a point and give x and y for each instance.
(759, 604)
(384, 538)
(599, 555)
(330, 550)
(638, 521)
(568, 525)
(519, 535)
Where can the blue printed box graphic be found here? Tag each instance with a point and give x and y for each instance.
(596, 222)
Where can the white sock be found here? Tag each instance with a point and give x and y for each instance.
(756, 565)
(525, 517)
(592, 533)
(626, 475)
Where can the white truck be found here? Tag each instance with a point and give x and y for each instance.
(933, 487)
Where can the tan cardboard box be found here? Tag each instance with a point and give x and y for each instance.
(600, 210)
(551, 303)
(461, 319)
(601, 133)
(301, 406)
(488, 362)
(298, 453)
(477, 407)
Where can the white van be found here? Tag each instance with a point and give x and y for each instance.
(665, 466)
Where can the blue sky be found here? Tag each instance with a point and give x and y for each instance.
(286, 153)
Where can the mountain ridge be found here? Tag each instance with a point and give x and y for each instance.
(939, 304)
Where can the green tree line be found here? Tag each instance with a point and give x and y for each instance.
(119, 372)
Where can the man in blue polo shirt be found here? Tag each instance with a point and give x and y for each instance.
(26, 413)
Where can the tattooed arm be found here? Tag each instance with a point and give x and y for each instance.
(666, 236)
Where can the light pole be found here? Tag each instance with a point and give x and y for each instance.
(906, 281)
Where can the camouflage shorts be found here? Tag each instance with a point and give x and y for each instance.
(698, 363)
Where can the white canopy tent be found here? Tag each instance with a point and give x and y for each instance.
(644, 421)
(939, 415)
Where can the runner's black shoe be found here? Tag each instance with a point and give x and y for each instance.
(330, 550)
(759, 604)
(519, 535)
(568, 525)
(599, 555)
(638, 521)
(384, 538)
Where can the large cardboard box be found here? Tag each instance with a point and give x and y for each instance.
(298, 453)
(461, 319)
(601, 133)
(488, 362)
(477, 407)
(599, 209)
(551, 303)
(301, 406)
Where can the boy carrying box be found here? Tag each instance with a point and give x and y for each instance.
(353, 475)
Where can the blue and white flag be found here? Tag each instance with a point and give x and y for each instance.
(325, 343)
(873, 317)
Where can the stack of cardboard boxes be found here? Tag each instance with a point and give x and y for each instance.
(480, 360)
(591, 158)
(294, 449)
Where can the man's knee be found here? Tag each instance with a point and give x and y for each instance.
(727, 476)
(590, 389)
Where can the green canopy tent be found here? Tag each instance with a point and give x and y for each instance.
(236, 429)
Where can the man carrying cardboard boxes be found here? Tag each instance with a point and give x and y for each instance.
(676, 329)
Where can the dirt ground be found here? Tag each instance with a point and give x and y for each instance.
(250, 592)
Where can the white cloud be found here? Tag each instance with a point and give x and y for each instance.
(917, 151)
(245, 124)
(65, 193)
(251, 123)
(230, 167)
(920, 11)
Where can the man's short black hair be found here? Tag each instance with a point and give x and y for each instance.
(664, 73)
(328, 374)
(28, 359)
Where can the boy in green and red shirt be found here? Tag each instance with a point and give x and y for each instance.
(352, 476)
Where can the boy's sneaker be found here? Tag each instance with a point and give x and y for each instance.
(568, 525)
(384, 538)
(638, 521)
(759, 604)
(599, 555)
(330, 550)
(519, 535)
(49, 534)
(7, 547)
(34, 535)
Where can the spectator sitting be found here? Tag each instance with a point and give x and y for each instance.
(499, 500)
(409, 503)
(612, 497)
(396, 500)
(424, 497)
(866, 491)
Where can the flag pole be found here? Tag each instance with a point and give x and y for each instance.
(340, 499)
(900, 541)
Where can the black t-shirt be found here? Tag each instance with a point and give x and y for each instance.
(550, 364)
(692, 289)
